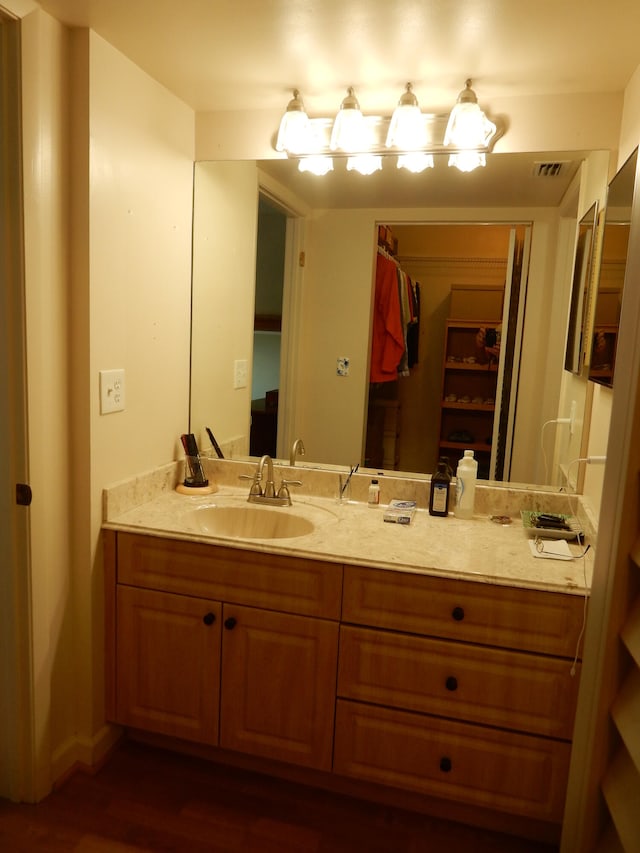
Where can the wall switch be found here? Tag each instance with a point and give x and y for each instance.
(240, 373)
(111, 391)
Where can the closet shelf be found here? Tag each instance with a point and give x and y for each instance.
(267, 323)
(463, 365)
(477, 446)
(469, 407)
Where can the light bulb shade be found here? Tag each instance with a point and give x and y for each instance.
(415, 162)
(349, 130)
(318, 164)
(468, 127)
(365, 164)
(406, 128)
(295, 128)
(467, 161)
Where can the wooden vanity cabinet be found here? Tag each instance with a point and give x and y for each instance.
(225, 647)
(459, 690)
(452, 692)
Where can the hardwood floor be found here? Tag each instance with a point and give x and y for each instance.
(146, 799)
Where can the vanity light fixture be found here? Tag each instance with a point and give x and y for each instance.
(465, 135)
(294, 134)
(349, 130)
(468, 130)
(407, 132)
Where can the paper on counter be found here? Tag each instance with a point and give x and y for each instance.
(554, 549)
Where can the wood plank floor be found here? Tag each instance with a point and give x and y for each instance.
(146, 799)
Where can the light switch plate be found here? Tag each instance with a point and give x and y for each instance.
(111, 391)
(240, 373)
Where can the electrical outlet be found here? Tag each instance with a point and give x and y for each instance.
(342, 367)
(111, 391)
(572, 417)
(240, 373)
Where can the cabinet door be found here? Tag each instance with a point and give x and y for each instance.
(168, 664)
(278, 685)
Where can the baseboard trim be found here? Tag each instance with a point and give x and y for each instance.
(83, 754)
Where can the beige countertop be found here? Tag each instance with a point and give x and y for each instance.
(477, 549)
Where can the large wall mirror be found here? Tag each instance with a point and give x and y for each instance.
(608, 302)
(327, 309)
(582, 281)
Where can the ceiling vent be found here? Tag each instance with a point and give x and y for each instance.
(554, 169)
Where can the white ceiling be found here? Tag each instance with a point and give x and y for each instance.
(250, 54)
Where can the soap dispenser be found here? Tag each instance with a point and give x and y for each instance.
(439, 494)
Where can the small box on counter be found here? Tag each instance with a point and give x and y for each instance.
(400, 512)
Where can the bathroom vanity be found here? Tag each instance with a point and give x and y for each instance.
(432, 688)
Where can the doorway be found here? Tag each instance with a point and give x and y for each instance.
(267, 327)
(16, 746)
(475, 274)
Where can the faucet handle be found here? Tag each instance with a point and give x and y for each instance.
(283, 490)
(256, 488)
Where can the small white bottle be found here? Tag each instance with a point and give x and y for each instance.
(466, 476)
(374, 494)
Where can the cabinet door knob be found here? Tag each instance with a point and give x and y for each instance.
(451, 683)
(230, 623)
(458, 614)
(445, 765)
(209, 618)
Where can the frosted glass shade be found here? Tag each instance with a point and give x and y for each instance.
(319, 164)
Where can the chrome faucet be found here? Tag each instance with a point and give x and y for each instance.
(269, 490)
(297, 448)
(268, 494)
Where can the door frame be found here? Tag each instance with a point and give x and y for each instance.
(17, 743)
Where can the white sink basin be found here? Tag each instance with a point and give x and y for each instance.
(249, 521)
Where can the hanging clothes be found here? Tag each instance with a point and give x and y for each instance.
(388, 340)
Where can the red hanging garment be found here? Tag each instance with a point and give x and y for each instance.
(387, 344)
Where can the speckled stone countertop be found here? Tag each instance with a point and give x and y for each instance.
(477, 549)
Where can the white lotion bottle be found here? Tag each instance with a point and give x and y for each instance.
(466, 476)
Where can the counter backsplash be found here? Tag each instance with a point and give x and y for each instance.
(491, 498)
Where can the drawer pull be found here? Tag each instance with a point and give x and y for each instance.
(451, 683)
(209, 618)
(458, 614)
(445, 765)
(230, 623)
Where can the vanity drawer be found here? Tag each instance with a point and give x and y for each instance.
(518, 774)
(286, 584)
(509, 689)
(470, 611)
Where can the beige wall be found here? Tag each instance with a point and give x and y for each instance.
(536, 123)
(45, 46)
(224, 275)
(130, 170)
(140, 140)
(340, 252)
(122, 236)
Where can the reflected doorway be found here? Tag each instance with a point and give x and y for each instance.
(267, 328)
(473, 275)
